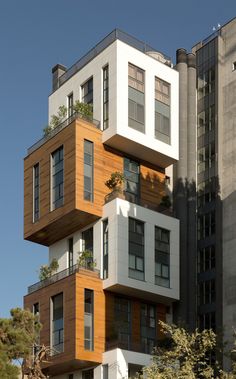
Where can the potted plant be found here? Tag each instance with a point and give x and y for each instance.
(86, 260)
(115, 185)
(83, 109)
(56, 120)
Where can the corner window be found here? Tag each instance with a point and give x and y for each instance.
(136, 98)
(123, 325)
(87, 92)
(162, 110)
(57, 324)
(88, 170)
(136, 249)
(162, 257)
(36, 184)
(57, 178)
(88, 319)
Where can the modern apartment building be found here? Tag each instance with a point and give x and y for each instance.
(102, 321)
(211, 278)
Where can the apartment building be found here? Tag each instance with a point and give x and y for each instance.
(210, 261)
(101, 320)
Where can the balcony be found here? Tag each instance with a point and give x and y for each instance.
(137, 347)
(63, 274)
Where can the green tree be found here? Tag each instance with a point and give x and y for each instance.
(46, 271)
(185, 356)
(18, 336)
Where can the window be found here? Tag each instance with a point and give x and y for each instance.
(206, 120)
(132, 179)
(71, 376)
(105, 371)
(206, 157)
(206, 259)
(136, 98)
(70, 253)
(57, 324)
(88, 319)
(88, 170)
(105, 249)
(206, 225)
(207, 321)
(87, 240)
(87, 92)
(36, 192)
(206, 292)
(37, 342)
(123, 321)
(206, 82)
(233, 66)
(70, 101)
(148, 328)
(136, 249)
(105, 97)
(162, 110)
(87, 374)
(206, 192)
(162, 257)
(57, 181)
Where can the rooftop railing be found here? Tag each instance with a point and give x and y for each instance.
(102, 45)
(60, 275)
(61, 126)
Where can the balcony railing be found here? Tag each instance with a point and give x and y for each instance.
(102, 45)
(60, 275)
(61, 126)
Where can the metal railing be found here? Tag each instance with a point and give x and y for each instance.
(61, 126)
(102, 45)
(60, 275)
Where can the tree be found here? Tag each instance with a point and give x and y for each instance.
(18, 336)
(185, 357)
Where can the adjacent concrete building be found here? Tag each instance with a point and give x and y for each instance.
(208, 274)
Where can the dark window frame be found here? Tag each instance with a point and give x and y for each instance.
(57, 160)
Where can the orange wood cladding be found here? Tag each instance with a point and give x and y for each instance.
(72, 287)
(76, 212)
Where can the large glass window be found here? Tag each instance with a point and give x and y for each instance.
(88, 319)
(87, 374)
(87, 240)
(207, 321)
(57, 181)
(136, 98)
(88, 170)
(105, 249)
(123, 322)
(57, 323)
(148, 328)
(87, 92)
(162, 110)
(206, 157)
(132, 180)
(162, 257)
(206, 259)
(206, 225)
(206, 292)
(136, 249)
(36, 185)
(105, 97)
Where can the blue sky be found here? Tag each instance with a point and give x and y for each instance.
(34, 36)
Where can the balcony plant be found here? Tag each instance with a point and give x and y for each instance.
(86, 260)
(115, 185)
(83, 109)
(56, 120)
(46, 271)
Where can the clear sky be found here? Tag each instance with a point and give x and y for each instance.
(34, 36)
